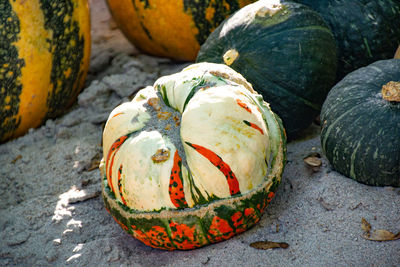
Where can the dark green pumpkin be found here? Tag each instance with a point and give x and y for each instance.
(286, 52)
(365, 30)
(361, 128)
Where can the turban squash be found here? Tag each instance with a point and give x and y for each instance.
(44, 58)
(285, 50)
(365, 30)
(192, 160)
(361, 124)
(173, 29)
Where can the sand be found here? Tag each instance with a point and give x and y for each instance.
(52, 213)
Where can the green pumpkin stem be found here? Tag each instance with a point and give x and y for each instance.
(391, 91)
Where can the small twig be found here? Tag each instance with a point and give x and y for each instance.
(268, 245)
(325, 205)
(16, 159)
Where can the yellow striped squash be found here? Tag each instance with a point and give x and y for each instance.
(44, 58)
(173, 29)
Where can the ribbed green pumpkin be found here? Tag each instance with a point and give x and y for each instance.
(361, 124)
(365, 30)
(44, 58)
(286, 51)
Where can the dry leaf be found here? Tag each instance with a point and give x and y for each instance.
(268, 245)
(313, 161)
(94, 163)
(356, 206)
(16, 159)
(377, 235)
(382, 235)
(365, 226)
(325, 204)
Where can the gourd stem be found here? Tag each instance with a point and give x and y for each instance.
(230, 56)
(397, 54)
(391, 91)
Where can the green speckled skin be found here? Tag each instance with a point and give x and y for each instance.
(360, 130)
(365, 30)
(146, 5)
(68, 53)
(190, 228)
(222, 10)
(290, 58)
(10, 85)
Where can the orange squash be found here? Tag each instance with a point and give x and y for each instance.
(171, 29)
(44, 58)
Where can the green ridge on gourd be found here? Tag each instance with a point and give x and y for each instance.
(199, 13)
(9, 57)
(44, 59)
(285, 50)
(68, 48)
(361, 124)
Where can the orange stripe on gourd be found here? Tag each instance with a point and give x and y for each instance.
(157, 237)
(221, 165)
(120, 113)
(219, 230)
(176, 192)
(251, 216)
(252, 125)
(113, 150)
(270, 196)
(243, 105)
(185, 236)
